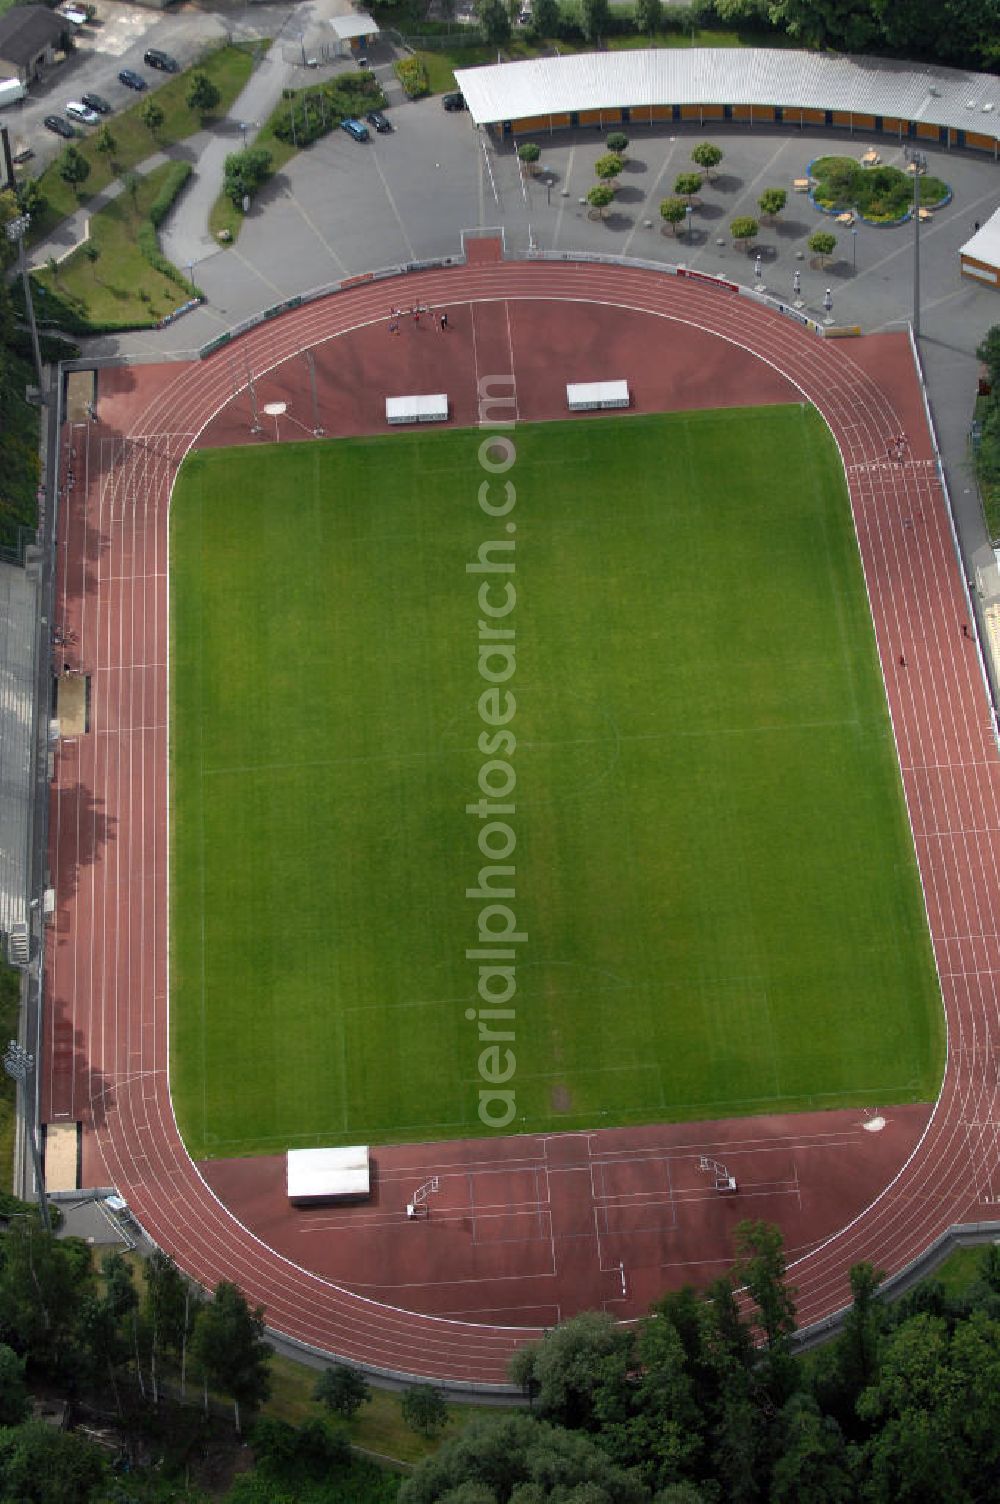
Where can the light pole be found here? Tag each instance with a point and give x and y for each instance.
(828, 305)
(16, 231)
(758, 272)
(854, 250)
(797, 289)
(918, 164)
(688, 215)
(18, 1064)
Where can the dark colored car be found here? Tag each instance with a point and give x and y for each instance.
(59, 126)
(96, 102)
(354, 128)
(379, 121)
(132, 80)
(162, 60)
(453, 101)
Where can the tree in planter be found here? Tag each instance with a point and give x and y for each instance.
(494, 18)
(106, 142)
(202, 96)
(245, 172)
(73, 168)
(529, 153)
(649, 16)
(688, 184)
(229, 1348)
(771, 202)
(343, 1390)
(608, 167)
(672, 212)
(424, 1409)
(707, 157)
(744, 231)
(594, 17)
(618, 143)
(600, 196)
(152, 116)
(823, 245)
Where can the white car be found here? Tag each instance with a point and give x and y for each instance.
(77, 111)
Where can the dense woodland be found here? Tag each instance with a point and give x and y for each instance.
(19, 429)
(702, 1402)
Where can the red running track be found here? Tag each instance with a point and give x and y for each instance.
(106, 1059)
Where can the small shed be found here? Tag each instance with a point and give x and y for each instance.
(419, 409)
(594, 396)
(30, 36)
(354, 34)
(328, 1174)
(980, 257)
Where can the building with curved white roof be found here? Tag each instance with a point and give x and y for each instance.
(750, 85)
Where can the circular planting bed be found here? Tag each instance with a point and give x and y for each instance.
(879, 195)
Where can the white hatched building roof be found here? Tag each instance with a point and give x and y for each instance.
(737, 76)
(985, 244)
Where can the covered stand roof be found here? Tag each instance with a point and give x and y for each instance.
(737, 76)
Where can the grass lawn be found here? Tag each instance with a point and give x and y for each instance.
(110, 290)
(713, 865)
(227, 67)
(378, 1426)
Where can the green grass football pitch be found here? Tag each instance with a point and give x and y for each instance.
(713, 865)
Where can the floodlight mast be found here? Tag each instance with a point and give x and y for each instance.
(19, 1063)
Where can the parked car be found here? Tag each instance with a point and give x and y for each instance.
(162, 60)
(96, 102)
(379, 121)
(59, 126)
(355, 128)
(453, 101)
(77, 111)
(132, 80)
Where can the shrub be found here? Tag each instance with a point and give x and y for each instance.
(413, 76)
(173, 181)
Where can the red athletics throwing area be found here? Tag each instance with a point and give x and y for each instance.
(520, 1230)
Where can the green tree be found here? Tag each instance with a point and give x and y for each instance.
(43, 1281)
(30, 198)
(545, 18)
(673, 211)
(529, 152)
(687, 184)
(609, 166)
(152, 116)
(988, 351)
(771, 202)
(342, 1390)
(106, 142)
(245, 172)
(707, 156)
(568, 1366)
(169, 1314)
(93, 255)
(40, 1465)
(13, 1390)
(228, 1342)
(649, 16)
(73, 168)
(594, 18)
(744, 231)
(202, 95)
(811, 1458)
(494, 18)
(823, 245)
(617, 142)
(424, 1409)
(510, 1455)
(600, 196)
